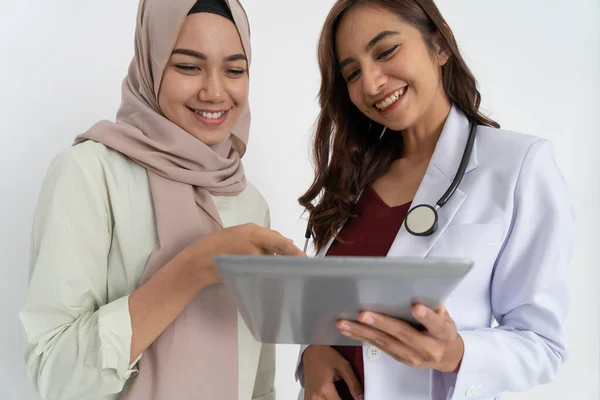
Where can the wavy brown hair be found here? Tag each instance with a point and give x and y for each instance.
(346, 159)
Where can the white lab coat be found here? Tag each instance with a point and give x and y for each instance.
(512, 214)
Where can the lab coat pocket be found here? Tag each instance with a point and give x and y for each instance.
(469, 240)
(479, 243)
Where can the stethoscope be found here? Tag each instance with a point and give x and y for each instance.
(422, 220)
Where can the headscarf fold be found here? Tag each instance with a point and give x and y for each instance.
(196, 357)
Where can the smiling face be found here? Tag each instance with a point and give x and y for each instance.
(392, 74)
(204, 87)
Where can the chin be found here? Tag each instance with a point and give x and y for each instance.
(398, 122)
(393, 124)
(400, 127)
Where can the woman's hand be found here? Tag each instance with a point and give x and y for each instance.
(247, 239)
(440, 347)
(155, 304)
(323, 366)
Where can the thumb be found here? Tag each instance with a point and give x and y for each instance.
(349, 377)
(442, 311)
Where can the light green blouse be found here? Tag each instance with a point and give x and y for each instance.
(93, 232)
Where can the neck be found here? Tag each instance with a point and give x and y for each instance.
(419, 140)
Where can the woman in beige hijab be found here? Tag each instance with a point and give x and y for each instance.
(124, 301)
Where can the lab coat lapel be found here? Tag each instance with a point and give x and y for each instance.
(438, 177)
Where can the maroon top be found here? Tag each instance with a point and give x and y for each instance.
(371, 234)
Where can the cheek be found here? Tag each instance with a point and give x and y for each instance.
(407, 69)
(424, 74)
(356, 97)
(175, 90)
(238, 91)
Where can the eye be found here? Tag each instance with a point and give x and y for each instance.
(235, 71)
(353, 75)
(386, 54)
(187, 68)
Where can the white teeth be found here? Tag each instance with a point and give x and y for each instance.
(209, 115)
(390, 100)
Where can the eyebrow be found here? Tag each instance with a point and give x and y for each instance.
(379, 37)
(202, 56)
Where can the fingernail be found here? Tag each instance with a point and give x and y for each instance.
(346, 333)
(421, 312)
(344, 326)
(361, 397)
(367, 319)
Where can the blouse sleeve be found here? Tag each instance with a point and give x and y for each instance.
(76, 344)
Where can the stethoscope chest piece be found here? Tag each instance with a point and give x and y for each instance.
(421, 220)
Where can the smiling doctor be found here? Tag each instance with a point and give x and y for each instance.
(407, 166)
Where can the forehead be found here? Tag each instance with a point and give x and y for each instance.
(361, 24)
(205, 32)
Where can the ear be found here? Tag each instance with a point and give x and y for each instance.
(442, 52)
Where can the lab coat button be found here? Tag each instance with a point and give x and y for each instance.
(373, 353)
(473, 390)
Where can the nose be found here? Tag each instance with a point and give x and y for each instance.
(212, 90)
(373, 80)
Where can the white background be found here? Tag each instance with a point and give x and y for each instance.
(62, 63)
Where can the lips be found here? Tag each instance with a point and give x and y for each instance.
(210, 117)
(390, 99)
(210, 114)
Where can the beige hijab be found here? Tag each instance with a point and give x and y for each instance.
(196, 357)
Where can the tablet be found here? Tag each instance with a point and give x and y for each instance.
(297, 300)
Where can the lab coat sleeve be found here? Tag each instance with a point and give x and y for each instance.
(76, 345)
(264, 386)
(529, 290)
